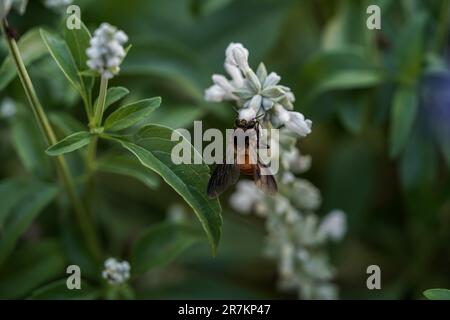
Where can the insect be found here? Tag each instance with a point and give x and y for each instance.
(225, 175)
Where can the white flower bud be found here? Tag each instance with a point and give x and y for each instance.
(287, 177)
(287, 260)
(121, 37)
(255, 103)
(247, 195)
(237, 55)
(306, 195)
(223, 83)
(272, 79)
(294, 121)
(247, 114)
(334, 225)
(215, 94)
(236, 75)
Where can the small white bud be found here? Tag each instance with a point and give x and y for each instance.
(237, 55)
(272, 79)
(334, 225)
(294, 121)
(215, 94)
(247, 114)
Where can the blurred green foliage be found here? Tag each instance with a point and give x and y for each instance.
(378, 151)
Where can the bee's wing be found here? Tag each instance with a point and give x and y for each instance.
(224, 176)
(264, 179)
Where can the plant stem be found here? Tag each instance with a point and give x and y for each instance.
(97, 120)
(83, 219)
(95, 126)
(98, 112)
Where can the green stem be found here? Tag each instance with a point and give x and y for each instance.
(49, 135)
(99, 109)
(95, 126)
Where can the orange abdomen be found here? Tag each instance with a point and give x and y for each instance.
(247, 168)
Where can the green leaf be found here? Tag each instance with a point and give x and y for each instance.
(160, 245)
(29, 145)
(341, 32)
(30, 267)
(351, 108)
(338, 70)
(418, 163)
(176, 116)
(77, 41)
(153, 150)
(403, 114)
(114, 94)
(437, 294)
(71, 143)
(31, 49)
(75, 248)
(349, 79)
(11, 191)
(58, 290)
(37, 197)
(128, 166)
(409, 51)
(130, 114)
(63, 58)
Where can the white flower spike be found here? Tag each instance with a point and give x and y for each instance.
(106, 51)
(296, 237)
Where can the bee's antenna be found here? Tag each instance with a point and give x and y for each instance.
(260, 116)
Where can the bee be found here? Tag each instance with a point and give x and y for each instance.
(225, 175)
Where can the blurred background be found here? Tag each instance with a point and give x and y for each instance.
(380, 147)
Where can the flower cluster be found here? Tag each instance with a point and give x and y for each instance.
(57, 4)
(116, 272)
(296, 236)
(106, 52)
(256, 94)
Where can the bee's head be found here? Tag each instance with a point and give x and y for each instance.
(242, 123)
